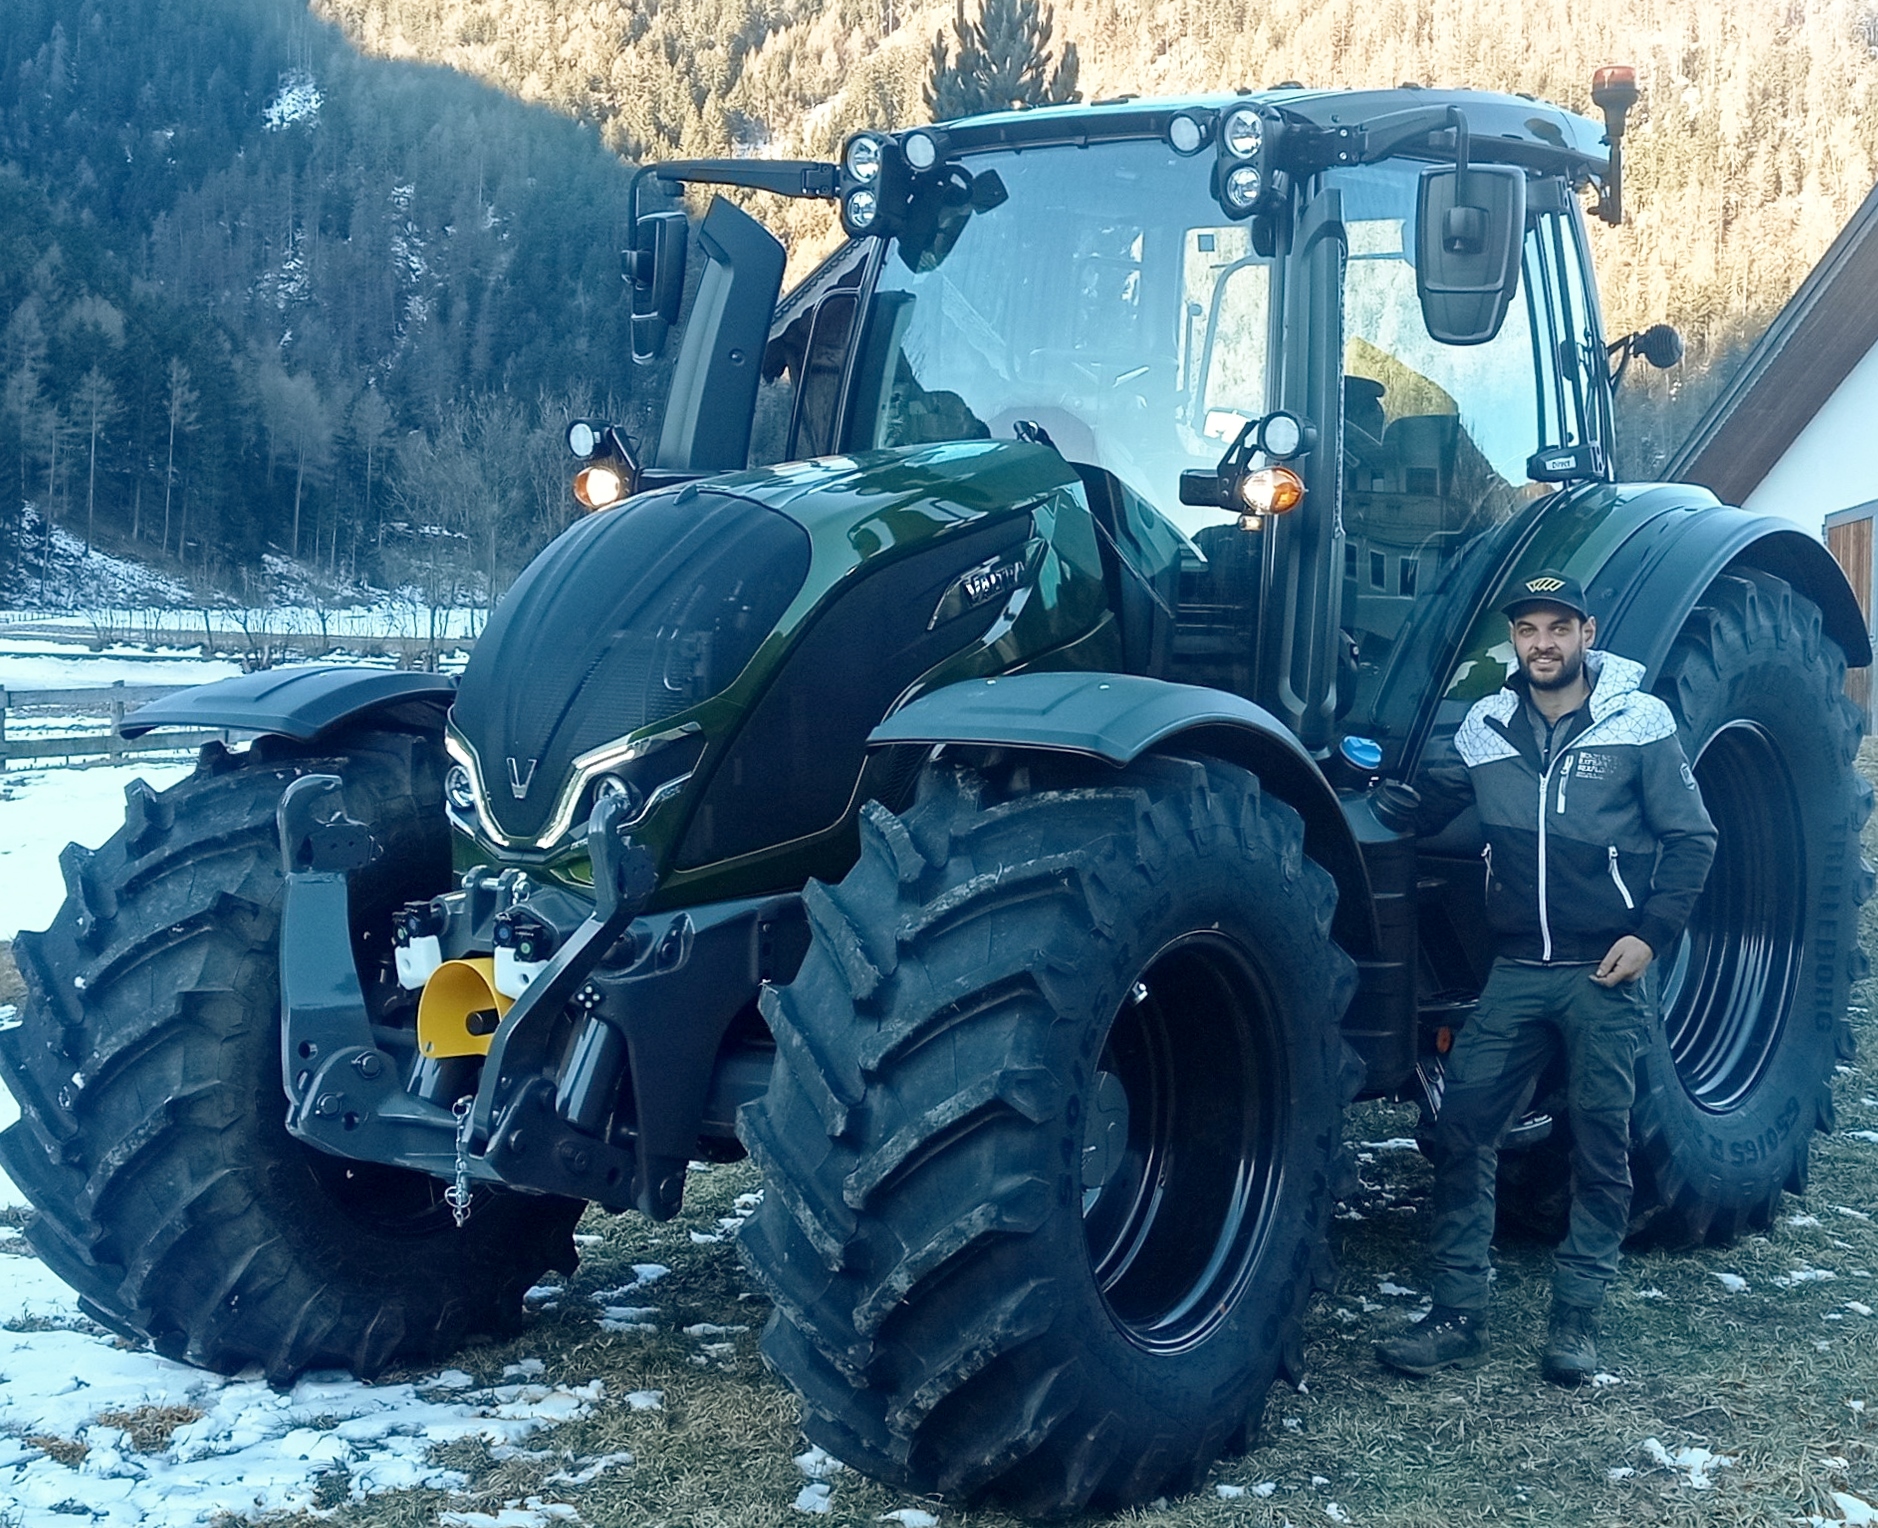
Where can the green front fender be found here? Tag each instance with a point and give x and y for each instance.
(1119, 717)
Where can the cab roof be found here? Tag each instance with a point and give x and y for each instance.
(1408, 121)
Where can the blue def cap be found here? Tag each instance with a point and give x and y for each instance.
(1363, 752)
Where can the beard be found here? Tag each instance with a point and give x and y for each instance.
(1567, 675)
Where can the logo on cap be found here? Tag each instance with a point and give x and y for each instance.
(1544, 585)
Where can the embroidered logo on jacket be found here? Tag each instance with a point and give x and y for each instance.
(1596, 766)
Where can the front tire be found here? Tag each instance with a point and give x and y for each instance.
(152, 1137)
(1049, 1143)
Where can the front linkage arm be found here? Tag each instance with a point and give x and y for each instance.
(345, 1093)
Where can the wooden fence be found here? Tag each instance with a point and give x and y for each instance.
(110, 700)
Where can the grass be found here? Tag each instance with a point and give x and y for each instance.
(1766, 1376)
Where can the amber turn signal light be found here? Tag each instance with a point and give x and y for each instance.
(1271, 491)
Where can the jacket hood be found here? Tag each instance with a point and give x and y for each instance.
(1614, 679)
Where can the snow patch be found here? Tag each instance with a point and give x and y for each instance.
(1733, 1283)
(298, 100)
(818, 1463)
(1694, 1464)
(250, 1450)
(909, 1517)
(814, 1497)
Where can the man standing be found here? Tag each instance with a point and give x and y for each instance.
(1597, 845)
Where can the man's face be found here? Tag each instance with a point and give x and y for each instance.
(1550, 641)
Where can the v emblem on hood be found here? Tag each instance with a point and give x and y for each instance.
(519, 781)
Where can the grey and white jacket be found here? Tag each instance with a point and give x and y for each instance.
(1607, 837)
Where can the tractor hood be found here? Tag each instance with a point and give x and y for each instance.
(628, 618)
(599, 663)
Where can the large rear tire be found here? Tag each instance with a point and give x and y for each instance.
(1049, 1144)
(1754, 998)
(151, 1138)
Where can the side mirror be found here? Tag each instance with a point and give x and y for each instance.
(1660, 345)
(1469, 224)
(656, 268)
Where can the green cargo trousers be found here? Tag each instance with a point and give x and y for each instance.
(1526, 1015)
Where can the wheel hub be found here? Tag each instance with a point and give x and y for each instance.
(1181, 1145)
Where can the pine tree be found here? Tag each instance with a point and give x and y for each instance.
(1003, 60)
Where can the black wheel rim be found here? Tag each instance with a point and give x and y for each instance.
(1729, 987)
(1182, 1143)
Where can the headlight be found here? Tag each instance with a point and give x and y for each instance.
(459, 789)
(1243, 132)
(599, 486)
(582, 439)
(618, 785)
(1243, 186)
(861, 158)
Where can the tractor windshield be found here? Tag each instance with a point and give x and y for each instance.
(1108, 300)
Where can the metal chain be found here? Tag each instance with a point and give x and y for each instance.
(457, 1196)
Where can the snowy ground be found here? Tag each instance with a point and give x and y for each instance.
(1742, 1381)
(123, 1439)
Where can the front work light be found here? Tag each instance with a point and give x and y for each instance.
(1242, 133)
(1243, 186)
(861, 158)
(582, 439)
(599, 486)
(921, 149)
(861, 210)
(1186, 134)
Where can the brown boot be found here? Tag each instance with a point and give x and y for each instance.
(1571, 1345)
(1444, 1339)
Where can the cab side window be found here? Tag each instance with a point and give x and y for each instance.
(798, 400)
(1436, 436)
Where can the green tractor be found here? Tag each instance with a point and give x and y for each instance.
(957, 767)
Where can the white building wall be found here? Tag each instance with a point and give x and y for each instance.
(1833, 464)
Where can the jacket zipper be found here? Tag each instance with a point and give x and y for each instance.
(1564, 775)
(1486, 854)
(1545, 923)
(1618, 876)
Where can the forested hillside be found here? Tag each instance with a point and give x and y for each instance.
(240, 264)
(1756, 137)
(272, 277)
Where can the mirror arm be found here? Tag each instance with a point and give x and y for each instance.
(1457, 119)
(814, 179)
(1623, 350)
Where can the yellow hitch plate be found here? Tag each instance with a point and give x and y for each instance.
(460, 1008)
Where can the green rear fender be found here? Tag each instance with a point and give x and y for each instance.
(1645, 554)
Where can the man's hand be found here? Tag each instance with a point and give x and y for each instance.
(1624, 962)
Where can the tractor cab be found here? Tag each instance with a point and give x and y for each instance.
(1401, 282)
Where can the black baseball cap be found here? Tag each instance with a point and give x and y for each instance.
(1547, 588)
